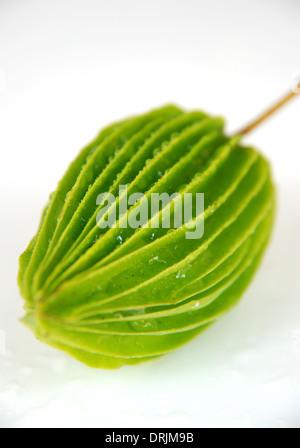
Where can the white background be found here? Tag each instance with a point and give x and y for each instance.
(69, 67)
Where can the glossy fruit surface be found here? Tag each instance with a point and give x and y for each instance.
(114, 296)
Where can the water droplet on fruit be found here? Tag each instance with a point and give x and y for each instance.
(196, 305)
(157, 260)
(143, 325)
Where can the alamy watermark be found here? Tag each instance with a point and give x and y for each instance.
(157, 210)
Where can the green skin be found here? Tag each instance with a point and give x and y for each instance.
(108, 304)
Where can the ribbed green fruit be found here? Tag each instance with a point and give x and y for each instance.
(118, 296)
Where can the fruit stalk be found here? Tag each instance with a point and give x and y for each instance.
(269, 112)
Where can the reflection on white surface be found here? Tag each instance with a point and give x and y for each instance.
(243, 371)
(70, 71)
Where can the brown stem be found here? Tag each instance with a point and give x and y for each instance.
(269, 112)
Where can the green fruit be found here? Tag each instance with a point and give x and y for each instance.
(114, 296)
